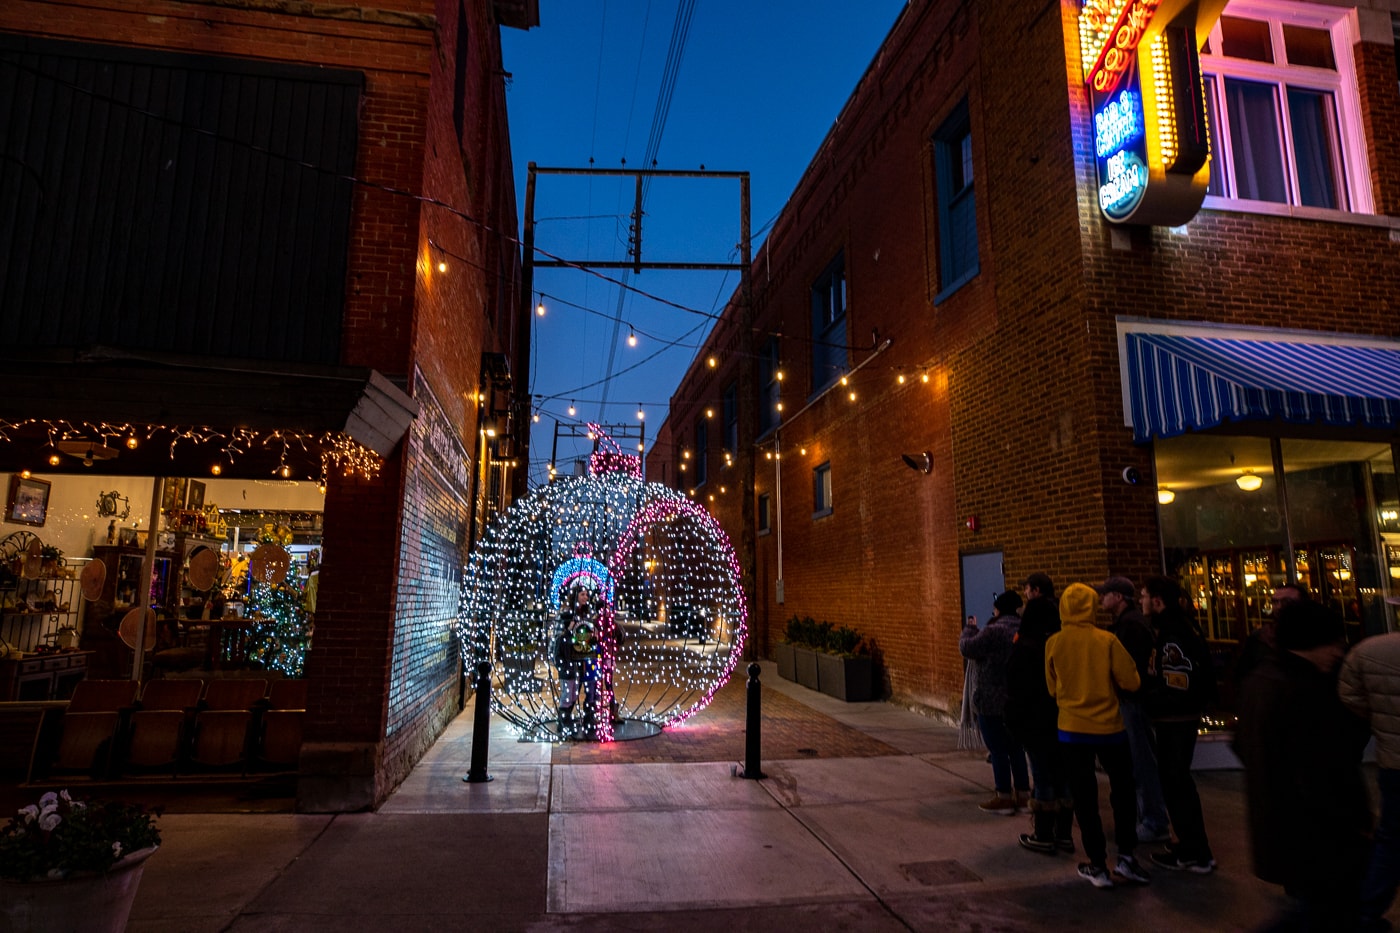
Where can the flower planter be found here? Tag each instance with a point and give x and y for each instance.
(89, 902)
(805, 666)
(787, 661)
(845, 678)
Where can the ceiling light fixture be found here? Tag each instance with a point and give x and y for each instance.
(1166, 496)
(1249, 481)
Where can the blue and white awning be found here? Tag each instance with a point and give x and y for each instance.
(1176, 382)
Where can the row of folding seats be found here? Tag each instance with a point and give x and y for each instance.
(181, 725)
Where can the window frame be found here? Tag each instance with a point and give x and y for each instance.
(763, 521)
(821, 490)
(1351, 169)
(729, 412)
(701, 460)
(947, 142)
(829, 327)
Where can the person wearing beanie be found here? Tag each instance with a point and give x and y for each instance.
(1085, 668)
(989, 648)
(1305, 797)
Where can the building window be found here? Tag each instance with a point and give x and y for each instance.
(829, 324)
(702, 442)
(769, 386)
(957, 207)
(730, 410)
(821, 490)
(1283, 113)
(763, 518)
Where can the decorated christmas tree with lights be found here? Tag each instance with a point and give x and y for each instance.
(663, 605)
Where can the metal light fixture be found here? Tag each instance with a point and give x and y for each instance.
(1249, 481)
(1166, 496)
(923, 462)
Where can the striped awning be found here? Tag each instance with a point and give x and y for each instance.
(1176, 383)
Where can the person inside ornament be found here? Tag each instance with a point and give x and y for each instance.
(576, 656)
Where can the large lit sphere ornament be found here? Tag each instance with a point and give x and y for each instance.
(665, 616)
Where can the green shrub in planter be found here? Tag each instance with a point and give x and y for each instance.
(845, 669)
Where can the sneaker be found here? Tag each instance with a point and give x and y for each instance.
(1096, 875)
(1173, 862)
(1129, 870)
(999, 804)
(1044, 846)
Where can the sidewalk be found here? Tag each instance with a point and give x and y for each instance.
(883, 833)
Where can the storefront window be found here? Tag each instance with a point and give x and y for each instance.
(1226, 537)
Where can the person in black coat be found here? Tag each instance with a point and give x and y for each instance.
(1308, 811)
(1033, 718)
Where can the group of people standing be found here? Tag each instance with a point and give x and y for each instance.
(1063, 688)
(1119, 676)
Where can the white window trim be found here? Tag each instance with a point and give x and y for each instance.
(1341, 23)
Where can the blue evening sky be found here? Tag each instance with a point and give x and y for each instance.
(758, 86)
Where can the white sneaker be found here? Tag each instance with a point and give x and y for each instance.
(1129, 870)
(1096, 875)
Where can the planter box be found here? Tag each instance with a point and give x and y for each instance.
(787, 661)
(846, 679)
(805, 665)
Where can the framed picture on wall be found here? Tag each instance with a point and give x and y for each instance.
(28, 503)
(172, 495)
(195, 500)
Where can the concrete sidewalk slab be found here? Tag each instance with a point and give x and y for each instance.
(621, 862)
(847, 780)
(438, 787)
(700, 785)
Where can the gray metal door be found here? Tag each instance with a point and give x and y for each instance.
(982, 582)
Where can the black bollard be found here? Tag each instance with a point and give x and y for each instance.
(481, 726)
(752, 727)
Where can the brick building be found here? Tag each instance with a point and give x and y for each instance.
(959, 273)
(296, 218)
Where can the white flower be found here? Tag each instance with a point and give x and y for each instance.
(48, 801)
(63, 795)
(117, 849)
(48, 821)
(30, 813)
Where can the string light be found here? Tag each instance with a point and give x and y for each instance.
(901, 378)
(641, 415)
(852, 396)
(778, 375)
(539, 308)
(924, 376)
(631, 336)
(572, 410)
(442, 266)
(709, 413)
(712, 362)
(648, 555)
(536, 417)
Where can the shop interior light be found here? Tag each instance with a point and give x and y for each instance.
(25, 474)
(55, 459)
(131, 442)
(1166, 496)
(1249, 481)
(216, 469)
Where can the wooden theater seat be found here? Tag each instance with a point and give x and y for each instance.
(160, 728)
(280, 745)
(92, 725)
(223, 727)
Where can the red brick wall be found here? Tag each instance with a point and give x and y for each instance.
(1022, 410)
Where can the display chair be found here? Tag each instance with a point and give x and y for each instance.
(162, 724)
(94, 725)
(223, 728)
(279, 745)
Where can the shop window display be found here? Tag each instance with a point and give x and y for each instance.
(1227, 528)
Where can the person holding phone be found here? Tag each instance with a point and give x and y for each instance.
(989, 649)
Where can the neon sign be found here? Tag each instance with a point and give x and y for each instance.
(1117, 124)
(1142, 72)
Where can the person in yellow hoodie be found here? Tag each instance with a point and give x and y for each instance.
(1086, 668)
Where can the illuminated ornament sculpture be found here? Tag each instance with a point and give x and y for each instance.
(666, 614)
